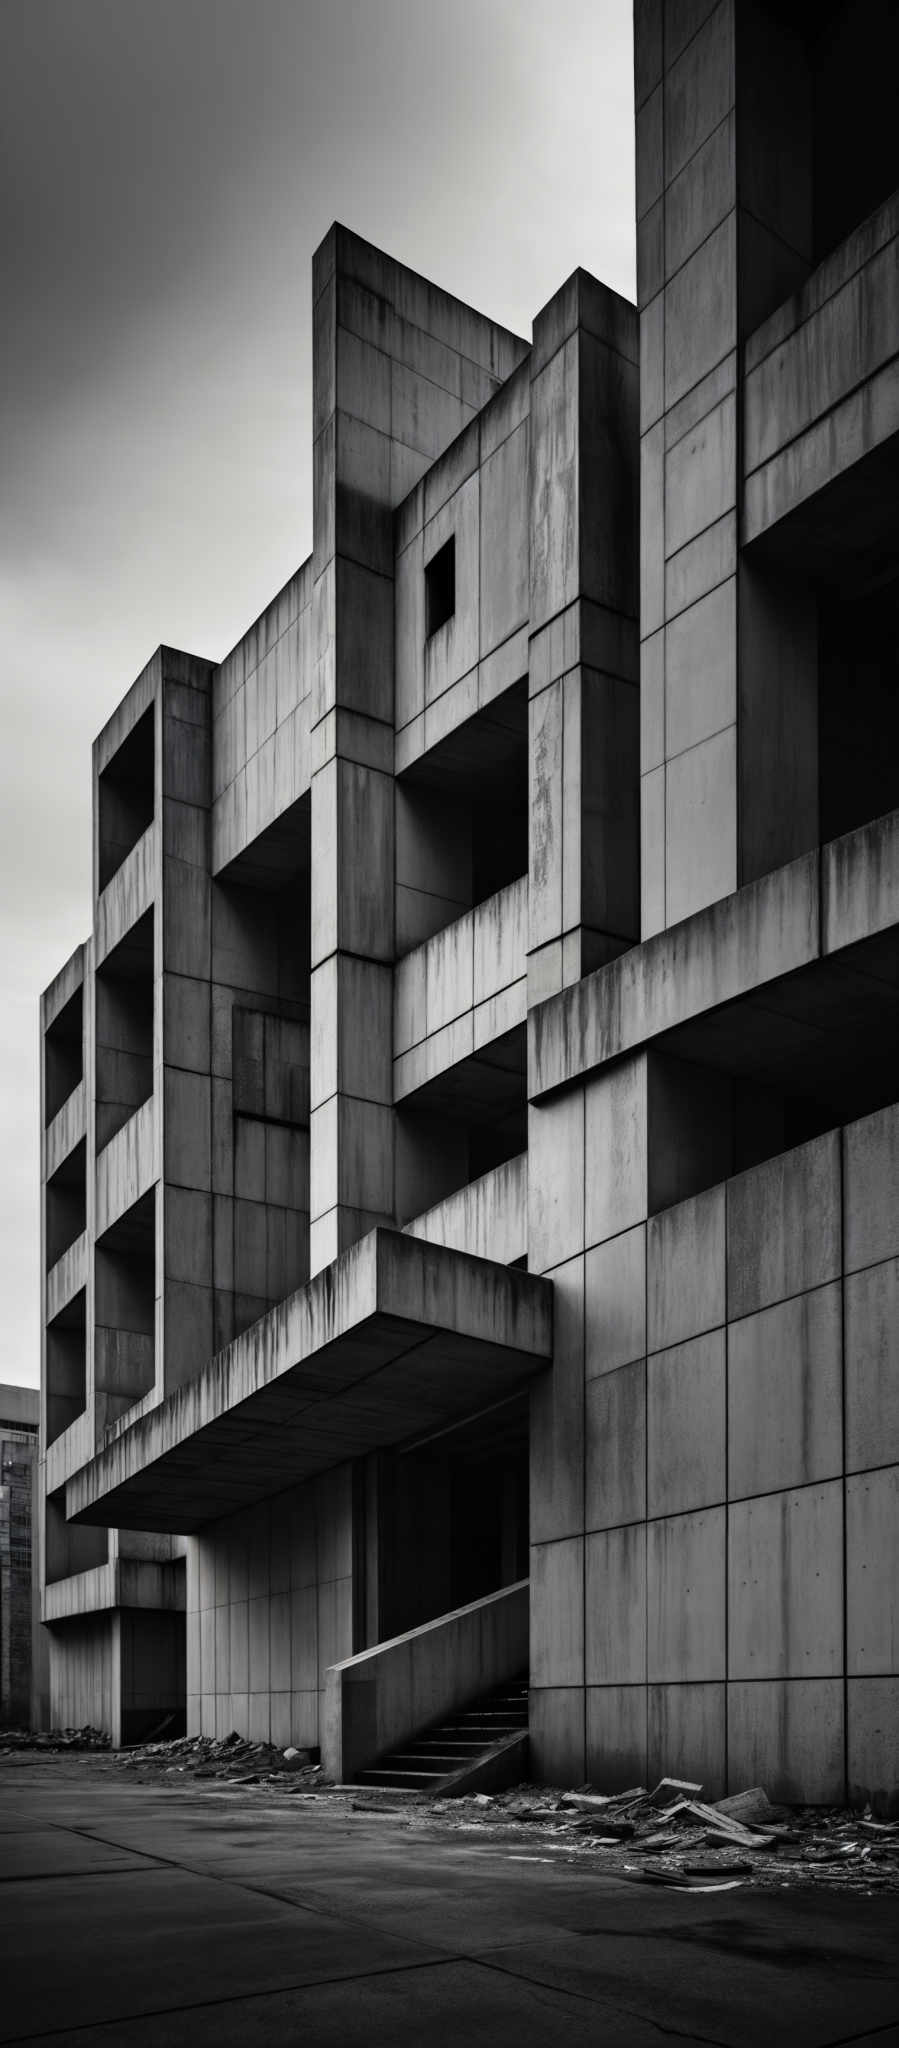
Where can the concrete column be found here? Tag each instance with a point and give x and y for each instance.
(727, 663)
(351, 1124)
(584, 701)
(400, 368)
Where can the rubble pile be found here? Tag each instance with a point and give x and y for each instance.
(232, 1760)
(670, 1836)
(53, 1738)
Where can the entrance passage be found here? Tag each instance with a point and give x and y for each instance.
(453, 1520)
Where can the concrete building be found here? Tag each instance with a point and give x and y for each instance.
(22, 1650)
(470, 1138)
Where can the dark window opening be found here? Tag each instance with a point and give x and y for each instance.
(124, 1030)
(70, 1547)
(63, 1055)
(858, 707)
(66, 1204)
(126, 798)
(462, 820)
(461, 1125)
(855, 72)
(440, 586)
(453, 1517)
(66, 1367)
(125, 1311)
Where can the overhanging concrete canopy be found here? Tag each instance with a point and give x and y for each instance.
(397, 1335)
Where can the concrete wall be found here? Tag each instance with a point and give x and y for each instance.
(376, 1701)
(710, 1589)
(270, 1605)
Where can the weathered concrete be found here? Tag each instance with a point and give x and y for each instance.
(607, 616)
(440, 1331)
(375, 1701)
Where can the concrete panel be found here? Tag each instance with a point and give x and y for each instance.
(685, 1426)
(652, 843)
(871, 1189)
(785, 1394)
(553, 495)
(701, 195)
(615, 1302)
(787, 1735)
(701, 826)
(685, 1270)
(871, 1312)
(615, 1150)
(280, 1642)
(546, 815)
(872, 1586)
(785, 1575)
(872, 1706)
(557, 1612)
(187, 1135)
(686, 1736)
(783, 1226)
(700, 312)
(615, 1606)
(556, 1498)
(615, 1432)
(700, 566)
(652, 702)
(700, 486)
(556, 1181)
(504, 540)
(652, 527)
(616, 1737)
(556, 1735)
(699, 88)
(686, 1597)
(304, 1659)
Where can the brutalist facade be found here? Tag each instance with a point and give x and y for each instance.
(471, 1149)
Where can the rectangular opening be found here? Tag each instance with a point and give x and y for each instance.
(125, 1311)
(858, 706)
(460, 1126)
(66, 1367)
(462, 820)
(440, 586)
(453, 1516)
(126, 794)
(261, 967)
(70, 1547)
(66, 1204)
(124, 1030)
(854, 66)
(63, 1055)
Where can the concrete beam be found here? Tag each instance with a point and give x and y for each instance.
(395, 1336)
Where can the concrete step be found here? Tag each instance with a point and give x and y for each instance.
(481, 1748)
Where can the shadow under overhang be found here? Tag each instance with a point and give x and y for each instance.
(397, 1336)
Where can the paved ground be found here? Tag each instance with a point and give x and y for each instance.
(141, 1917)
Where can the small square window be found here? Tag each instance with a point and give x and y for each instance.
(440, 586)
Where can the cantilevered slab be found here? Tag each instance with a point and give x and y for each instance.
(398, 1335)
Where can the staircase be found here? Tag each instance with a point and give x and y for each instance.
(480, 1749)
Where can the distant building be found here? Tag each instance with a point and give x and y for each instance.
(471, 1146)
(19, 1417)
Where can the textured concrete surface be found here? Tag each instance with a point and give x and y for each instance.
(148, 1919)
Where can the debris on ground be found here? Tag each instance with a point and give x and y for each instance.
(667, 1835)
(231, 1760)
(52, 1738)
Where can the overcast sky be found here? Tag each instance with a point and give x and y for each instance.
(168, 167)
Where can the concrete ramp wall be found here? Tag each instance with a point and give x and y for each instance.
(375, 1701)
